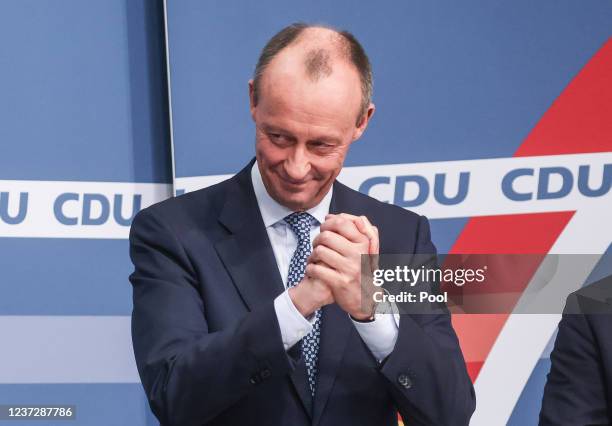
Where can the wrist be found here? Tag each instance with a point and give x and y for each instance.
(362, 319)
(304, 304)
(365, 315)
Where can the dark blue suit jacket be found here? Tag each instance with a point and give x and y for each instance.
(579, 386)
(207, 341)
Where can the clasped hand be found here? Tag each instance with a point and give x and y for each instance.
(333, 272)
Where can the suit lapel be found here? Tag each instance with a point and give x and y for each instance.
(246, 252)
(248, 257)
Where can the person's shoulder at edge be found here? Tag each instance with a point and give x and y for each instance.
(594, 298)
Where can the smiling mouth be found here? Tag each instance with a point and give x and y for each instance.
(290, 182)
(294, 186)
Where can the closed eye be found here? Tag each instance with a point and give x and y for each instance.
(320, 145)
(275, 136)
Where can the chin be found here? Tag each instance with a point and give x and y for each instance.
(295, 202)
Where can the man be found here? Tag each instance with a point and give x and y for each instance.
(578, 390)
(247, 294)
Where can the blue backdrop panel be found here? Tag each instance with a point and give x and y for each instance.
(452, 81)
(83, 91)
(56, 276)
(84, 100)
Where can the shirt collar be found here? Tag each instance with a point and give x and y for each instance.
(273, 212)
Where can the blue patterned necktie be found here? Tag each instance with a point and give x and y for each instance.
(300, 223)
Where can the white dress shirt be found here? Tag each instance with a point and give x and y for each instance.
(379, 335)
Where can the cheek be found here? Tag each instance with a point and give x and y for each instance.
(267, 152)
(330, 164)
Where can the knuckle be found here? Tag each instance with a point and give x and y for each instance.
(361, 246)
(345, 280)
(333, 219)
(342, 220)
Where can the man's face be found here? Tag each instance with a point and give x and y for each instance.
(304, 128)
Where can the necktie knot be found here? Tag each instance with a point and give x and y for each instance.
(300, 223)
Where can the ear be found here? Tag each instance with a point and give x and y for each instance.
(363, 122)
(251, 99)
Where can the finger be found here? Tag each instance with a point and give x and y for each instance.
(344, 227)
(368, 229)
(355, 219)
(334, 241)
(322, 272)
(328, 256)
(359, 224)
(364, 226)
(372, 233)
(374, 246)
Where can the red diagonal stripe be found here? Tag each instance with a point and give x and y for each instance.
(579, 121)
(516, 234)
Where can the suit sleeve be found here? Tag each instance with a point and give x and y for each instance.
(575, 392)
(426, 374)
(189, 374)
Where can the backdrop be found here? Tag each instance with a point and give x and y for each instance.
(493, 119)
(84, 143)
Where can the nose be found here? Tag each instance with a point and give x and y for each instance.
(297, 165)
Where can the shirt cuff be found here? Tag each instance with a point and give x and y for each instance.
(293, 325)
(379, 335)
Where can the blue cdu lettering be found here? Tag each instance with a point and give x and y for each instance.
(58, 208)
(567, 181)
(400, 190)
(117, 207)
(88, 199)
(583, 181)
(508, 188)
(566, 177)
(462, 190)
(21, 211)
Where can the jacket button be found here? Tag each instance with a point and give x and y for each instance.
(254, 379)
(404, 380)
(265, 373)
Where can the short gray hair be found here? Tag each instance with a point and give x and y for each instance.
(317, 61)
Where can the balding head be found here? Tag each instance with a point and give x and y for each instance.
(318, 64)
(318, 50)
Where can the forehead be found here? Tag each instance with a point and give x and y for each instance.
(287, 89)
